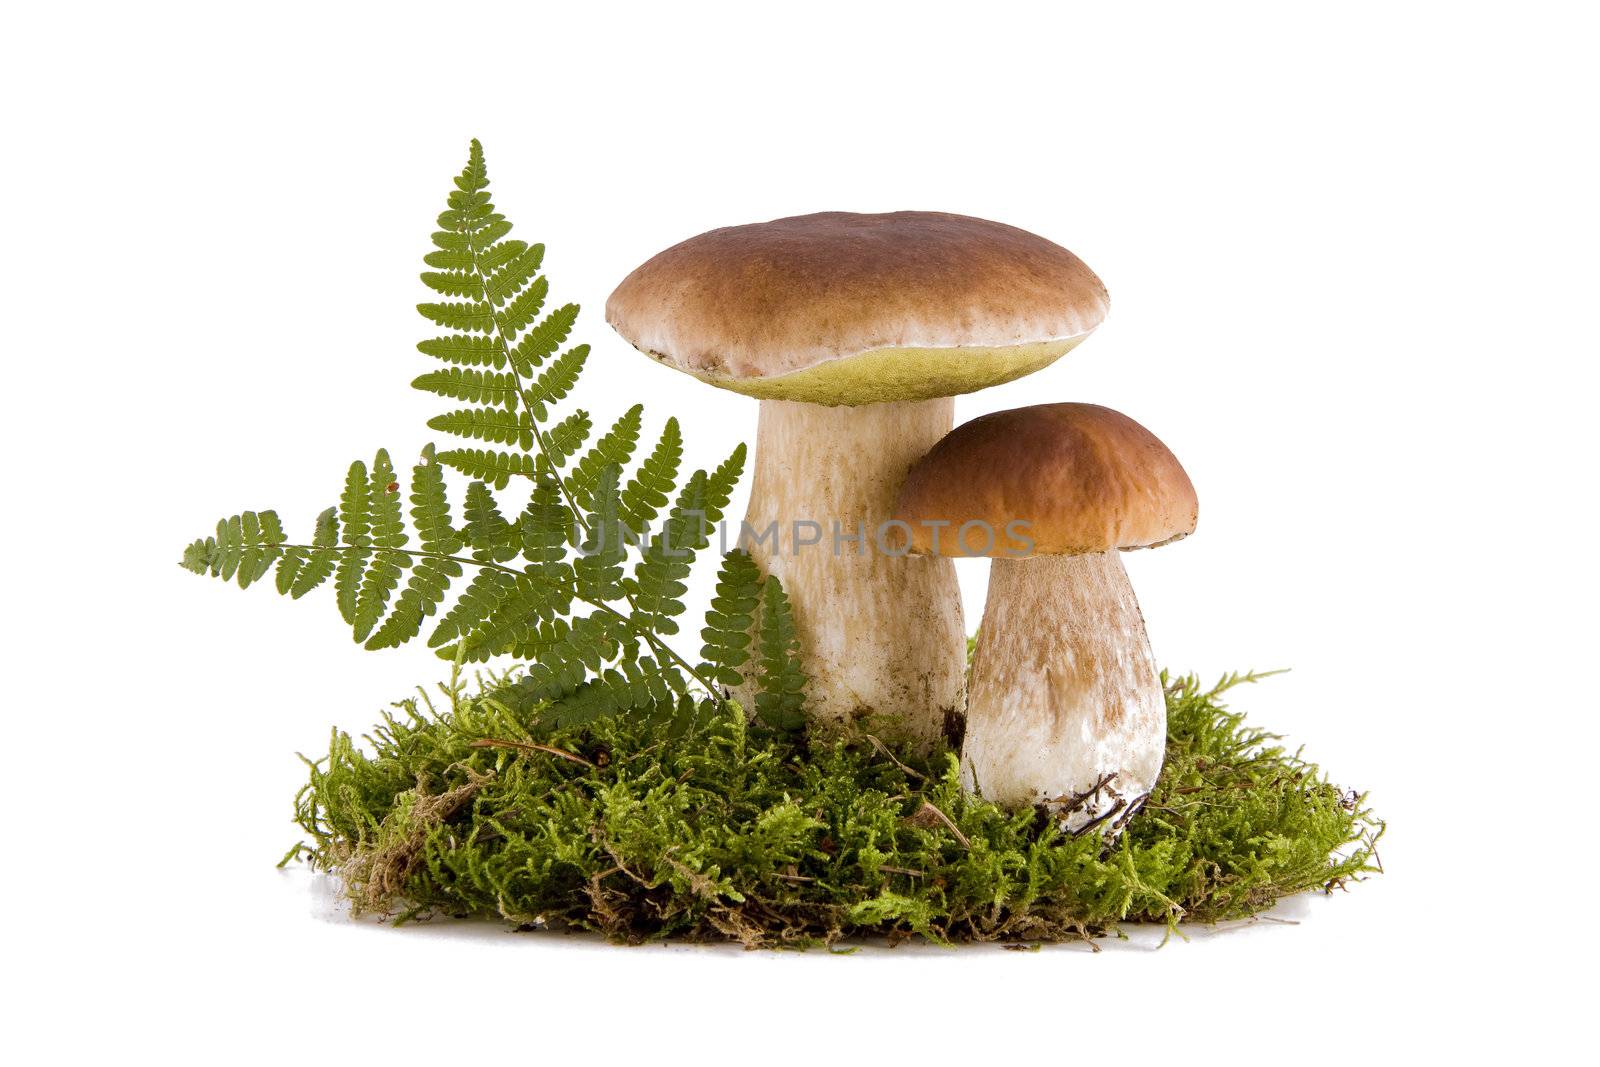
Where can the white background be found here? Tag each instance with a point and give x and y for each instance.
(1351, 256)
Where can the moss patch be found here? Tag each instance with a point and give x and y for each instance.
(742, 834)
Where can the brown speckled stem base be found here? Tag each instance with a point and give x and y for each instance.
(1065, 691)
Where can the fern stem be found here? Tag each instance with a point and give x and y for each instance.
(504, 342)
(414, 553)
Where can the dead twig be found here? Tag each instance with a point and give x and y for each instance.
(1079, 800)
(883, 750)
(1098, 819)
(1133, 809)
(929, 816)
(529, 746)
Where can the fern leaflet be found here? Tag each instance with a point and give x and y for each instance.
(354, 512)
(731, 619)
(470, 384)
(564, 439)
(465, 350)
(388, 533)
(430, 578)
(783, 682)
(496, 468)
(599, 566)
(647, 491)
(487, 424)
(615, 448)
(556, 381)
(542, 341)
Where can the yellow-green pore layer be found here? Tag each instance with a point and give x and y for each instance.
(885, 375)
(734, 833)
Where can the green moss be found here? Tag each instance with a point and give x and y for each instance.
(744, 834)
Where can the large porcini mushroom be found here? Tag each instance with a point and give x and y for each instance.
(1065, 708)
(854, 331)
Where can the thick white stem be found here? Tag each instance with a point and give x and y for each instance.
(881, 634)
(1065, 691)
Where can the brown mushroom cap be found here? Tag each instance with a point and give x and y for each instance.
(839, 308)
(1084, 478)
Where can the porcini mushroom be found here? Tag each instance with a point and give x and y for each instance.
(1066, 708)
(854, 331)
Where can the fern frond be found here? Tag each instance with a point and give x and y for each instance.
(465, 350)
(487, 424)
(318, 563)
(556, 381)
(468, 316)
(494, 257)
(690, 716)
(467, 227)
(551, 333)
(522, 310)
(430, 577)
(615, 448)
(424, 591)
(458, 258)
(599, 564)
(460, 283)
(261, 545)
(475, 175)
(658, 581)
(646, 687)
(723, 480)
(658, 578)
(460, 239)
(648, 491)
(653, 681)
(244, 548)
(491, 538)
(304, 567)
(496, 468)
(469, 213)
(510, 276)
(731, 618)
(382, 575)
(448, 243)
(469, 384)
(783, 681)
(356, 524)
(197, 556)
(492, 230)
(546, 524)
(500, 344)
(539, 638)
(583, 646)
(475, 604)
(430, 506)
(528, 602)
(564, 439)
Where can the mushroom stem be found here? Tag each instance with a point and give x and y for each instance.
(880, 633)
(1065, 691)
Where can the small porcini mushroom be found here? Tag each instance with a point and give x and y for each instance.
(1066, 708)
(854, 331)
